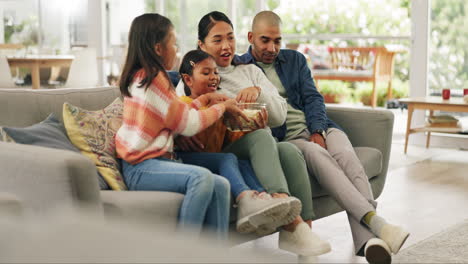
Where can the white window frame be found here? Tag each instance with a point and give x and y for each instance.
(419, 60)
(97, 34)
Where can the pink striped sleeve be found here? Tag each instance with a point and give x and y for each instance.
(181, 118)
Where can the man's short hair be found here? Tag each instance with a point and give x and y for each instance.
(268, 17)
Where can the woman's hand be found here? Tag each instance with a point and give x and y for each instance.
(262, 120)
(189, 144)
(248, 95)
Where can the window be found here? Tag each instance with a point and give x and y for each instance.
(245, 12)
(44, 26)
(20, 22)
(321, 24)
(186, 14)
(120, 14)
(448, 59)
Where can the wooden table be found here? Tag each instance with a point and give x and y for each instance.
(431, 104)
(35, 62)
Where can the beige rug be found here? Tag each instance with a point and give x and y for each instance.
(448, 246)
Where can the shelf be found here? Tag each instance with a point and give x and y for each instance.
(454, 130)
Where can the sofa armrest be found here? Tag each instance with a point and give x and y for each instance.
(10, 205)
(367, 127)
(45, 178)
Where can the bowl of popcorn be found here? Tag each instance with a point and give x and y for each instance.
(252, 110)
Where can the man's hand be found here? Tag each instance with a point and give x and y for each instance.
(248, 95)
(189, 144)
(318, 139)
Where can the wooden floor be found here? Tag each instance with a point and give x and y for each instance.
(426, 191)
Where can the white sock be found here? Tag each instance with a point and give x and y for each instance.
(376, 224)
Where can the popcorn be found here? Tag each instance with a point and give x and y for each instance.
(252, 111)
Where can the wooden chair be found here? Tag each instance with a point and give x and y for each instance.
(360, 64)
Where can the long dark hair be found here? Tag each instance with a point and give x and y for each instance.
(208, 21)
(146, 31)
(188, 63)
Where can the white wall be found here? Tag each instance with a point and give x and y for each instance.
(420, 25)
(97, 33)
(2, 33)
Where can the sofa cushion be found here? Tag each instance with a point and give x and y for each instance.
(93, 133)
(49, 133)
(371, 160)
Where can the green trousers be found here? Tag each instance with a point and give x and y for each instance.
(279, 167)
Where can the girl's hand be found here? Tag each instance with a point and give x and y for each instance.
(215, 98)
(234, 112)
(189, 144)
(248, 95)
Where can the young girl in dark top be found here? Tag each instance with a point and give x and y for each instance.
(199, 72)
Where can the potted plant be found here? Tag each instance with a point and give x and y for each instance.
(334, 91)
(363, 92)
(400, 89)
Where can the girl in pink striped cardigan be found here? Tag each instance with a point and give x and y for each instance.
(153, 114)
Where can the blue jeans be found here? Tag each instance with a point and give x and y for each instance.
(207, 197)
(224, 164)
(249, 176)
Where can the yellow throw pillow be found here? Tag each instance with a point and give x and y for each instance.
(93, 133)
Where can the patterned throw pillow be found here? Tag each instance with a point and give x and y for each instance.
(93, 133)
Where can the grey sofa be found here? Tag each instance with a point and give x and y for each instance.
(43, 178)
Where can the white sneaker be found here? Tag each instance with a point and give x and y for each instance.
(303, 241)
(394, 236)
(295, 207)
(377, 251)
(259, 209)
